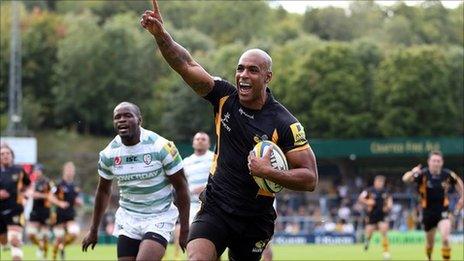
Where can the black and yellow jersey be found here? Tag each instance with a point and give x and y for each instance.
(14, 180)
(380, 196)
(238, 130)
(433, 189)
(68, 192)
(42, 185)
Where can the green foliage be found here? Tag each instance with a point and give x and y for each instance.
(99, 67)
(413, 86)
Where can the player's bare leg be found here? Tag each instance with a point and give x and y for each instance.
(430, 241)
(383, 228)
(14, 236)
(201, 249)
(35, 236)
(444, 226)
(367, 236)
(59, 231)
(150, 250)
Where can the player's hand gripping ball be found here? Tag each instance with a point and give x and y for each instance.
(278, 161)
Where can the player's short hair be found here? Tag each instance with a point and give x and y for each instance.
(5, 145)
(380, 177)
(435, 152)
(138, 113)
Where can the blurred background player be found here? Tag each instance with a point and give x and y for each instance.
(433, 184)
(196, 168)
(13, 184)
(66, 228)
(149, 170)
(39, 221)
(378, 203)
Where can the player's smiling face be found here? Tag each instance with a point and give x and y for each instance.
(126, 123)
(252, 77)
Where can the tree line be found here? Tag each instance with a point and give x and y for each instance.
(368, 71)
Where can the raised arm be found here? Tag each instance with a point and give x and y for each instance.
(409, 176)
(177, 56)
(302, 176)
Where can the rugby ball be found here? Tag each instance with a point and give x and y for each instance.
(278, 161)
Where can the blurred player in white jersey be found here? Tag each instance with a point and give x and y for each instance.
(147, 168)
(196, 168)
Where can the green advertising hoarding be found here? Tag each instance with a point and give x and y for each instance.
(389, 147)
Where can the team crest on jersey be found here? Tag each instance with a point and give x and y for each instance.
(117, 160)
(259, 246)
(147, 158)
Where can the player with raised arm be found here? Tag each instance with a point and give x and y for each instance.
(235, 213)
(433, 183)
(147, 168)
(13, 185)
(378, 202)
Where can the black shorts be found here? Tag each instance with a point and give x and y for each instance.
(60, 219)
(40, 216)
(431, 218)
(129, 247)
(3, 225)
(9, 217)
(246, 237)
(374, 218)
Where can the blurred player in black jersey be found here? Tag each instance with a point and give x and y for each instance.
(39, 220)
(13, 184)
(378, 203)
(433, 183)
(235, 213)
(66, 228)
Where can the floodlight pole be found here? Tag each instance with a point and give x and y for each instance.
(15, 93)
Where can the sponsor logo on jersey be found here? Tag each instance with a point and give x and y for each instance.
(225, 120)
(171, 149)
(243, 113)
(117, 160)
(299, 135)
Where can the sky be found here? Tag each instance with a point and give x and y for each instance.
(300, 6)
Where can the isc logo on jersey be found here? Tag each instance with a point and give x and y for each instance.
(278, 161)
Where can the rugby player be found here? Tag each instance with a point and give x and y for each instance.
(66, 229)
(433, 183)
(13, 184)
(196, 168)
(378, 203)
(235, 213)
(39, 221)
(147, 168)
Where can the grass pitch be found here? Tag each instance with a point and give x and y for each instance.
(281, 252)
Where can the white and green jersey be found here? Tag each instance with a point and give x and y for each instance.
(141, 171)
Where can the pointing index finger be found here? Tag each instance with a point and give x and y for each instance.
(155, 5)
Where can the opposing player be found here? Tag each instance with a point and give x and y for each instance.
(433, 183)
(196, 168)
(39, 221)
(234, 212)
(66, 228)
(13, 184)
(378, 203)
(147, 167)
